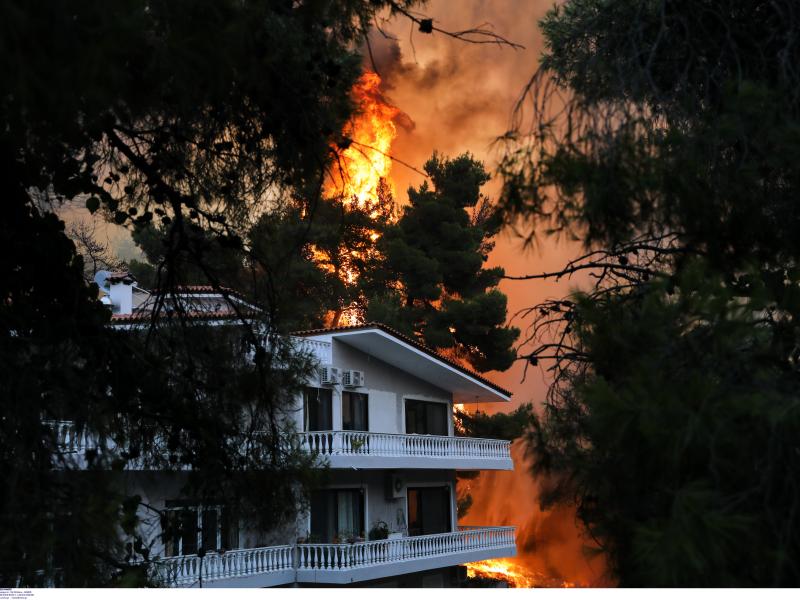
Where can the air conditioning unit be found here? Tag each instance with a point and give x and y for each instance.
(395, 487)
(329, 375)
(353, 378)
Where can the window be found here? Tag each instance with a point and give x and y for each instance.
(318, 409)
(426, 417)
(355, 414)
(187, 528)
(180, 531)
(428, 510)
(337, 514)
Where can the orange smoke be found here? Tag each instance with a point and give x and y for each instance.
(550, 549)
(364, 160)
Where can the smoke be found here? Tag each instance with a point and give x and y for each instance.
(460, 98)
(548, 541)
(457, 97)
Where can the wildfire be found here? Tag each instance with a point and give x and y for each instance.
(360, 175)
(512, 573)
(551, 549)
(364, 161)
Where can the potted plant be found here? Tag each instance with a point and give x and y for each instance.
(379, 531)
(356, 443)
(354, 538)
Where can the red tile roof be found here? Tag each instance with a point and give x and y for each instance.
(411, 341)
(144, 313)
(144, 316)
(199, 289)
(123, 276)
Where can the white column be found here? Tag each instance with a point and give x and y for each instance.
(336, 402)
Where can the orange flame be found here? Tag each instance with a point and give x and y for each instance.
(551, 551)
(362, 170)
(365, 161)
(513, 574)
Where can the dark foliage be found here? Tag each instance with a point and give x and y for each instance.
(194, 117)
(672, 153)
(499, 426)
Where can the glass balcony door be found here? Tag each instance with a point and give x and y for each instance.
(426, 417)
(318, 409)
(337, 515)
(429, 510)
(355, 413)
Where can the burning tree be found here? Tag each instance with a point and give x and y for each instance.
(433, 284)
(350, 257)
(661, 138)
(363, 162)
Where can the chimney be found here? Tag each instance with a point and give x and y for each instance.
(121, 292)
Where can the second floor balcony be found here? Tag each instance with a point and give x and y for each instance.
(333, 564)
(370, 450)
(354, 449)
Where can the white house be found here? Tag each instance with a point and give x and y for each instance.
(380, 416)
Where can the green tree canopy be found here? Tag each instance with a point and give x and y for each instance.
(433, 282)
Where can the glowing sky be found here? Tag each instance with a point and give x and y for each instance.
(458, 97)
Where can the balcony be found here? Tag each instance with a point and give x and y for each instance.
(368, 450)
(335, 563)
(353, 449)
(352, 563)
(252, 567)
(68, 437)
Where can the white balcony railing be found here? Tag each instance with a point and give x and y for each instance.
(69, 437)
(193, 571)
(334, 563)
(343, 557)
(342, 447)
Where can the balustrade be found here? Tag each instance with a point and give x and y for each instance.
(183, 571)
(390, 444)
(342, 557)
(68, 436)
(191, 570)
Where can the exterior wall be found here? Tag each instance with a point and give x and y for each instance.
(387, 388)
(394, 512)
(155, 488)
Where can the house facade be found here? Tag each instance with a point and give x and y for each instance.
(379, 415)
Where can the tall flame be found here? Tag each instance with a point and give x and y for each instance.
(360, 175)
(367, 141)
